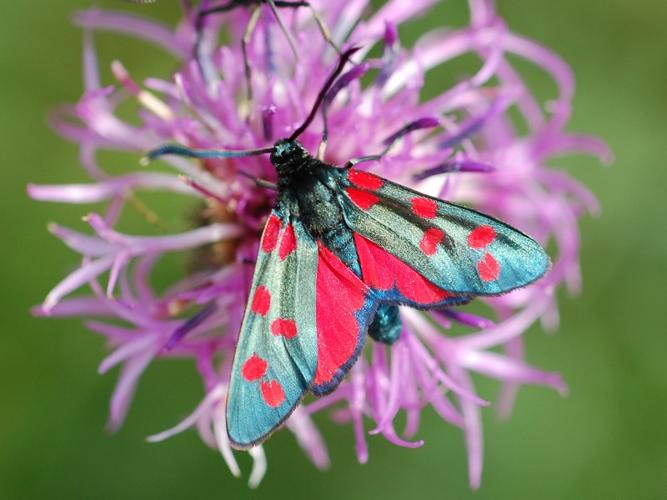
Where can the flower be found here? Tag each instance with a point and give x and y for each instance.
(463, 144)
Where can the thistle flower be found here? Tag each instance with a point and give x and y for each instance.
(463, 145)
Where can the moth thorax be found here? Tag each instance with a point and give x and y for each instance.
(289, 157)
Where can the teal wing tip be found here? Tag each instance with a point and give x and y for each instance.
(541, 263)
(544, 256)
(240, 445)
(239, 442)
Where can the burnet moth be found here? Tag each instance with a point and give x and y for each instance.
(341, 249)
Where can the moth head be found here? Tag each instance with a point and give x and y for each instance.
(287, 155)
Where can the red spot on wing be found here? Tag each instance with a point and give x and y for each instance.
(254, 368)
(363, 199)
(272, 393)
(429, 243)
(288, 243)
(481, 236)
(488, 268)
(424, 207)
(284, 327)
(364, 180)
(270, 237)
(261, 301)
(384, 271)
(340, 295)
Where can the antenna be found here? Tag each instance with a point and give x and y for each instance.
(342, 61)
(178, 150)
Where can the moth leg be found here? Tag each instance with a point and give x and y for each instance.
(361, 159)
(263, 183)
(391, 140)
(247, 35)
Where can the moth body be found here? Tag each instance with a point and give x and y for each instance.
(307, 189)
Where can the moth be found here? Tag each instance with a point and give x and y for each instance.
(341, 249)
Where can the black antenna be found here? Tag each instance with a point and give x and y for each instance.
(178, 150)
(344, 58)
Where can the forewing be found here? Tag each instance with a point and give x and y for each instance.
(276, 354)
(457, 249)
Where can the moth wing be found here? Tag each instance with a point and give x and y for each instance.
(345, 308)
(276, 354)
(449, 248)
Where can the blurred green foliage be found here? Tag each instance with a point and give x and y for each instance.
(606, 440)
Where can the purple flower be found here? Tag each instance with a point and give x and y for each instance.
(376, 104)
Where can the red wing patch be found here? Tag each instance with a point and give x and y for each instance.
(272, 393)
(254, 368)
(430, 241)
(288, 242)
(424, 207)
(488, 268)
(340, 295)
(363, 199)
(261, 302)
(383, 271)
(284, 327)
(481, 237)
(364, 180)
(270, 237)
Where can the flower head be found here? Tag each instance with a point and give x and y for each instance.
(463, 144)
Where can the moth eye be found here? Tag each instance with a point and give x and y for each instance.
(283, 149)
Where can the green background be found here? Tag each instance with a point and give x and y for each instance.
(606, 440)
